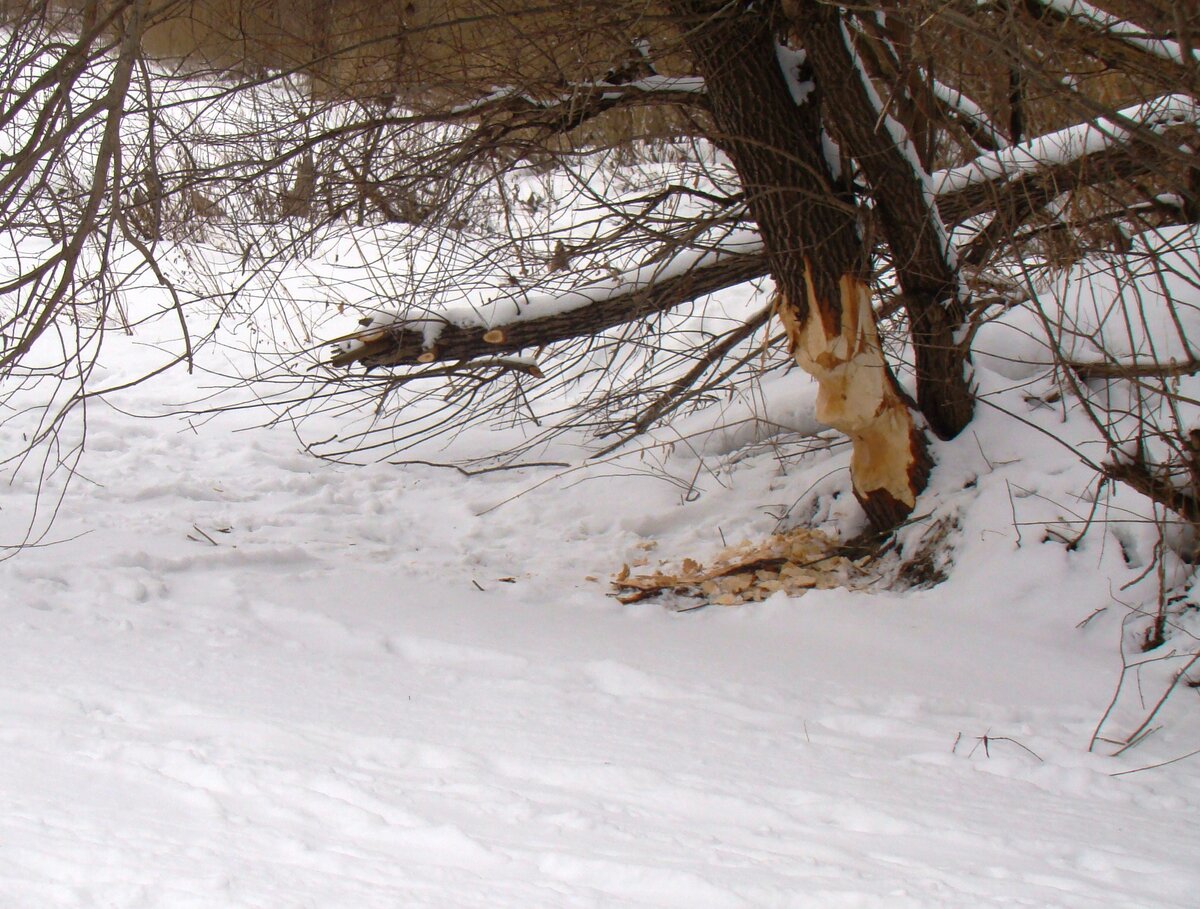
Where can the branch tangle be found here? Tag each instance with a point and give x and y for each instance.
(1010, 192)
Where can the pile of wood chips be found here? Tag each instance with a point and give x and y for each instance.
(794, 562)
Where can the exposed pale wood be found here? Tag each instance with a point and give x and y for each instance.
(909, 218)
(858, 396)
(809, 223)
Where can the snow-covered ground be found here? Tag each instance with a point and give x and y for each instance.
(233, 675)
(243, 677)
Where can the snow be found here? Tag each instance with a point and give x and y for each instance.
(235, 675)
(652, 84)
(688, 85)
(965, 108)
(1068, 144)
(1119, 28)
(790, 64)
(243, 677)
(513, 308)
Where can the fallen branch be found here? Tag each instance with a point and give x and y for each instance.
(1014, 183)
(581, 313)
(1111, 369)
(1157, 488)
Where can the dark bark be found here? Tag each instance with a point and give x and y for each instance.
(398, 345)
(909, 220)
(809, 225)
(1138, 369)
(1157, 488)
(801, 209)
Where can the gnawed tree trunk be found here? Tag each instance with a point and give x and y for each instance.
(808, 223)
(836, 342)
(906, 211)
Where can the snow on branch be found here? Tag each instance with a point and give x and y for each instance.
(1117, 29)
(1023, 177)
(513, 115)
(1069, 145)
(968, 113)
(516, 322)
(514, 99)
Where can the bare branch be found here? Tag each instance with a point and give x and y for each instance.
(1118, 42)
(1134, 370)
(1023, 178)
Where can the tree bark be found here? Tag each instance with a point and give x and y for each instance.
(906, 211)
(403, 344)
(809, 226)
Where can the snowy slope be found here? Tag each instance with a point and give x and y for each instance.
(247, 678)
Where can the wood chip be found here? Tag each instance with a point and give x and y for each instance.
(793, 562)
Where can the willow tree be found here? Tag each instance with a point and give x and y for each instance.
(835, 181)
(891, 163)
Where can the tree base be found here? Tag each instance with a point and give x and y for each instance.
(838, 345)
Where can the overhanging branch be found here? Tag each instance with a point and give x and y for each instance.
(511, 117)
(1117, 42)
(1014, 183)
(1025, 177)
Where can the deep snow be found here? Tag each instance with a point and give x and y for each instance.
(249, 678)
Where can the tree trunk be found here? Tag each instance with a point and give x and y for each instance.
(906, 211)
(809, 227)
